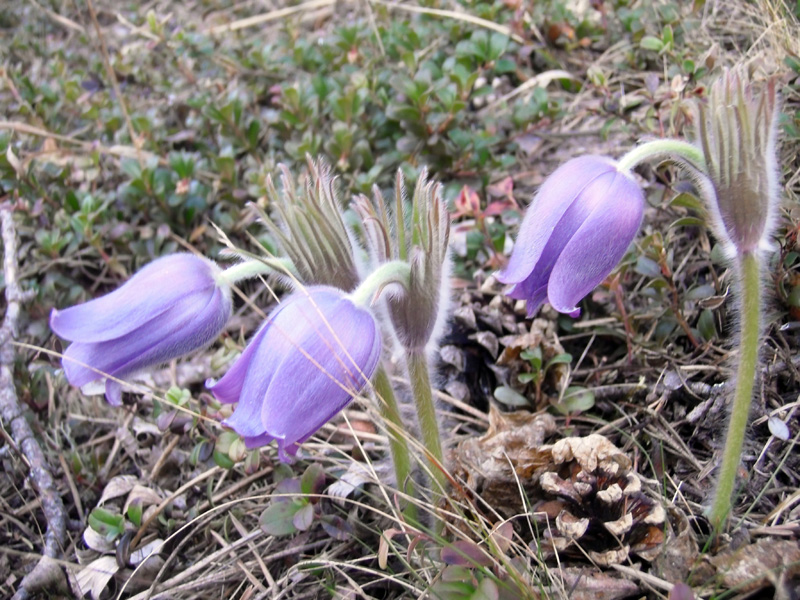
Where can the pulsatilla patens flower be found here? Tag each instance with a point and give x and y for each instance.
(174, 305)
(315, 351)
(581, 222)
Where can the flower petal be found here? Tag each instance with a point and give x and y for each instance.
(228, 389)
(597, 246)
(185, 327)
(257, 441)
(113, 392)
(152, 291)
(249, 378)
(336, 355)
(545, 216)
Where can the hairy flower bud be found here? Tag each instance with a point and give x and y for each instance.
(576, 230)
(420, 238)
(310, 228)
(174, 305)
(315, 351)
(737, 130)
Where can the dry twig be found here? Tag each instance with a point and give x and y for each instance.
(47, 572)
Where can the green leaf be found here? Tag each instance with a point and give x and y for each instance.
(647, 267)
(667, 35)
(222, 460)
(312, 480)
(304, 517)
(576, 399)
(135, 514)
(505, 65)
(651, 43)
(687, 222)
(497, 46)
(510, 397)
(706, 325)
(178, 396)
(278, 518)
(106, 523)
(687, 201)
(701, 292)
(533, 356)
(559, 359)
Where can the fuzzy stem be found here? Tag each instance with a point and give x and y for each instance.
(745, 380)
(396, 271)
(665, 148)
(253, 268)
(426, 415)
(398, 446)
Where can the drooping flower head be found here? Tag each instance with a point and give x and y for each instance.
(174, 305)
(737, 130)
(577, 229)
(419, 235)
(315, 351)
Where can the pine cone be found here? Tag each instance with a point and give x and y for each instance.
(594, 505)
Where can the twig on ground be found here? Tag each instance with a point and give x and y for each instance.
(46, 572)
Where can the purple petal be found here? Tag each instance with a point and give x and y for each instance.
(287, 452)
(155, 289)
(544, 217)
(535, 297)
(331, 364)
(257, 441)
(113, 392)
(228, 389)
(249, 379)
(188, 325)
(598, 245)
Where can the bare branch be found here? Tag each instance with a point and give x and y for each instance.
(15, 422)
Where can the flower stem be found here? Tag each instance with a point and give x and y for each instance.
(253, 268)
(664, 148)
(426, 415)
(745, 380)
(398, 445)
(396, 271)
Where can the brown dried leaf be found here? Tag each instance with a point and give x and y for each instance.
(118, 486)
(756, 566)
(512, 439)
(97, 541)
(511, 450)
(94, 577)
(142, 495)
(592, 584)
(680, 553)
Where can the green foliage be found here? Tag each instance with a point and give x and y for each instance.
(108, 524)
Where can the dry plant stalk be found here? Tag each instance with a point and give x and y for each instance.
(47, 574)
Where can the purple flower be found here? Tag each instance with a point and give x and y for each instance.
(578, 228)
(315, 351)
(174, 305)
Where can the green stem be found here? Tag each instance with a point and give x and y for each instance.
(253, 268)
(745, 380)
(396, 271)
(665, 148)
(426, 415)
(398, 446)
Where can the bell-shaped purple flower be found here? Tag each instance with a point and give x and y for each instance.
(315, 351)
(578, 228)
(174, 305)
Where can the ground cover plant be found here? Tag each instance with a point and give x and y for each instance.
(356, 403)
